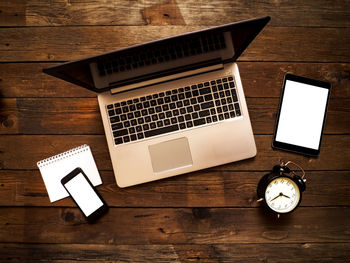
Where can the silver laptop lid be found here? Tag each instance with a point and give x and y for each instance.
(209, 41)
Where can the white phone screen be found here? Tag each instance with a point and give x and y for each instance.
(83, 194)
(301, 116)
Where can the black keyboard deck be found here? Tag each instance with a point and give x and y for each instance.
(174, 110)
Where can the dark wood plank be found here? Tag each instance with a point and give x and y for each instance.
(260, 79)
(82, 116)
(174, 226)
(42, 44)
(8, 116)
(303, 252)
(209, 188)
(22, 152)
(60, 13)
(28, 80)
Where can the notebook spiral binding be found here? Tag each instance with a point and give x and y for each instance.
(63, 155)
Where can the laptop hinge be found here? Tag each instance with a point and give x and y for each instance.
(168, 77)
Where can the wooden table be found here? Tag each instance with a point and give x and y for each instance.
(206, 216)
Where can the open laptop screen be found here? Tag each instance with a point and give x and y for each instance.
(99, 73)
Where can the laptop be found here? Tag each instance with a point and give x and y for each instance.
(174, 105)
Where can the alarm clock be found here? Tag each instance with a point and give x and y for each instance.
(281, 189)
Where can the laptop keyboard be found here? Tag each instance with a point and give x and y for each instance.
(173, 110)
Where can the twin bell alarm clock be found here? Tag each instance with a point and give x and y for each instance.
(281, 189)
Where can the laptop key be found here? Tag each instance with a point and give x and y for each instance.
(132, 107)
(198, 122)
(114, 119)
(120, 133)
(118, 140)
(204, 91)
(173, 120)
(208, 97)
(133, 137)
(189, 124)
(188, 94)
(234, 95)
(111, 112)
(204, 113)
(139, 106)
(163, 130)
(153, 125)
(207, 105)
(117, 126)
(126, 124)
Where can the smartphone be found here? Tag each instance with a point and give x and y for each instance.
(84, 195)
(301, 115)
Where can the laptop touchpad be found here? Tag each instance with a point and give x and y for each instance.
(170, 155)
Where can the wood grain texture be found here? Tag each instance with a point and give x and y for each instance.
(205, 216)
(174, 226)
(297, 252)
(63, 13)
(69, 43)
(14, 152)
(82, 116)
(209, 188)
(260, 79)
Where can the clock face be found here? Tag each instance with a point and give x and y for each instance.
(282, 195)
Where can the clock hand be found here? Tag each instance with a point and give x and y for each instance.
(285, 196)
(280, 194)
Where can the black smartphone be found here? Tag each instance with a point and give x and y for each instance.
(301, 115)
(84, 195)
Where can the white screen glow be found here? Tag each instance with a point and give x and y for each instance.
(83, 194)
(302, 113)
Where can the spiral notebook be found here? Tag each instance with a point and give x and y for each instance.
(54, 168)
